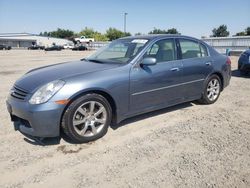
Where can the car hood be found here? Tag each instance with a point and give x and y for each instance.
(43, 75)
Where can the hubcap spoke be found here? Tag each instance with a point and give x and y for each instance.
(83, 131)
(92, 107)
(93, 128)
(83, 112)
(100, 121)
(101, 110)
(78, 122)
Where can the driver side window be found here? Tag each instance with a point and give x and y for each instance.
(162, 51)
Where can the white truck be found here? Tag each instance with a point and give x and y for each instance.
(83, 39)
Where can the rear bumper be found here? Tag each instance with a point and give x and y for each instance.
(36, 120)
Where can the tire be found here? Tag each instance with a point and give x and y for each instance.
(211, 91)
(87, 118)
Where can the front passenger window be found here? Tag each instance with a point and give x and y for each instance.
(163, 51)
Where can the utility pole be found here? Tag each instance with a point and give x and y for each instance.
(125, 15)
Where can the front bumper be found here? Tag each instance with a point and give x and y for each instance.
(41, 120)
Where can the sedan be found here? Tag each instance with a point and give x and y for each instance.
(130, 76)
(80, 48)
(54, 48)
(244, 62)
(4, 47)
(36, 47)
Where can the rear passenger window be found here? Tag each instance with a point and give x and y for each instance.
(163, 50)
(192, 49)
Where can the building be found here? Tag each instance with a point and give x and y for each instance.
(24, 40)
(225, 44)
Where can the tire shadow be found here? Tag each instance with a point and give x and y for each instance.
(151, 114)
(236, 73)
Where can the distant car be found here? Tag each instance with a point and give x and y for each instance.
(54, 48)
(244, 62)
(128, 77)
(4, 47)
(68, 46)
(80, 48)
(36, 47)
(84, 39)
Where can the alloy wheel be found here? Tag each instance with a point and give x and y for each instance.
(89, 119)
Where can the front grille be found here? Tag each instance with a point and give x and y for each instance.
(18, 93)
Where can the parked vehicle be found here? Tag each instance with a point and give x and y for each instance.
(36, 47)
(68, 46)
(54, 48)
(83, 39)
(130, 76)
(244, 62)
(80, 48)
(4, 47)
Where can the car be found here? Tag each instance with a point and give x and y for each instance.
(54, 48)
(128, 77)
(4, 47)
(36, 47)
(80, 48)
(68, 46)
(244, 62)
(84, 39)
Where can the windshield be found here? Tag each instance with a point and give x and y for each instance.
(119, 51)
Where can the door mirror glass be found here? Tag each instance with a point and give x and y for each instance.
(149, 61)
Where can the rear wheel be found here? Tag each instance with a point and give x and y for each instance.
(87, 118)
(211, 91)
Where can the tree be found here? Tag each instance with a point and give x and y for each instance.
(248, 31)
(159, 31)
(241, 34)
(172, 31)
(100, 37)
(137, 34)
(87, 32)
(59, 33)
(113, 33)
(221, 31)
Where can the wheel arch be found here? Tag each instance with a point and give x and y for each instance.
(101, 92)
(220, 76)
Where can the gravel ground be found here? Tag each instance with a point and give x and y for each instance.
(188, 145)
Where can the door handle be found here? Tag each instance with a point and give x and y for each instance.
(208, 63)
(175, 69)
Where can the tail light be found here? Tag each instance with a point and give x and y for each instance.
(228, 62)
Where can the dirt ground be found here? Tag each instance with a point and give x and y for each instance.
(189, 145)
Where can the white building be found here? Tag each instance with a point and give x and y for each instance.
(24, 40)
(223, 44)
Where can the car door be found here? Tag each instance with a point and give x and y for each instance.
(197, 65)
(156, 85)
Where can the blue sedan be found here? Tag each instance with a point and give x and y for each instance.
(130, 76)
(244, 62)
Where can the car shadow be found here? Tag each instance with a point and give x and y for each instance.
(151, 114)
(236, 73)
(56, 140)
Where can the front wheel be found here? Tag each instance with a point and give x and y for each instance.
(211, 91)
(87, 118)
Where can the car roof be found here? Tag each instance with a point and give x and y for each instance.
(247, 51)
(159, 36)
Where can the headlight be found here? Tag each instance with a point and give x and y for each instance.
(44, 93)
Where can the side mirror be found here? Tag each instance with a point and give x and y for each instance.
(149, 61)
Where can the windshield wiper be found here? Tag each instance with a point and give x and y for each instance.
(92, 60)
